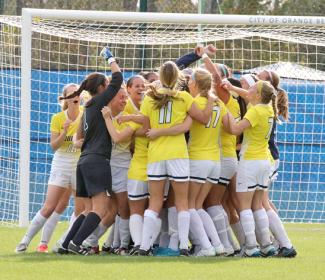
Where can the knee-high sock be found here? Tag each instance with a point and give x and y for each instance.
(49, 227)
(229, 232)
(216, 214)
(93, 239)
(248, 224)
(239, 233)
(209, 227)
(34, 227)
(136, 226)
(183, 228)
(164, 236)
(117, 239)
(278, 229)
(110, 238)
(88, 226)
(124, 228)
(72, 220)
(149, 226)
(156, 232)
(173, 228)
(197, 229)
(74, 229)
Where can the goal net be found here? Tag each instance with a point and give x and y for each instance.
(52, 48)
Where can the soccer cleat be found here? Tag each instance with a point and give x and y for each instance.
(220, 250)
(77, 250)
(21, 248)
(61, 250)
(134, 251)
(145, 252)
(122, 252)
(252, 253)
(210, 252)
(42, 248)
(287, 252)
(268, 251)
(229, 252)
(184, 253)
(166, 252)
(93, 250)
(107, 250)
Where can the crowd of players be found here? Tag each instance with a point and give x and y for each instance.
(176, 163)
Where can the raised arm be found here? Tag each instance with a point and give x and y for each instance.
(240, 91)
(222, 93)
(117, 78)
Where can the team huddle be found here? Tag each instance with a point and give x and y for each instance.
(174, 163)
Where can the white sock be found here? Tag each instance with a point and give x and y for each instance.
(278, 229)
(183, 228)
(49, 227)
(262, 227)
(156, 232)
(248, 224)
(239, 233)
(34, 227)
(136, 226)
(124, 228)
(229, 232)
(93, 239)
(72, 219)
(110, 238)
(164, 236)
(116, 240)
(149, 226)
(209, 227)
(173, 228)
(197, 230)
(217, 216)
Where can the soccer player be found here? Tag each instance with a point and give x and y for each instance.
(93, 169)
(167, 155)
(229, 162)
(254, 167)
(63, 170)
(204, 154)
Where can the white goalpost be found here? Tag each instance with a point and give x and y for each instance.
(43, 50)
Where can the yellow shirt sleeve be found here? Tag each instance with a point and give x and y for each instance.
(55, 124)
(145, 106)
(252, 116)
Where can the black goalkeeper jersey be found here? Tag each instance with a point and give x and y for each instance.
(97, 140)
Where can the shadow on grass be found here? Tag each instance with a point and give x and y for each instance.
(43, 258)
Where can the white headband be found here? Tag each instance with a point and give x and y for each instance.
(249, 79)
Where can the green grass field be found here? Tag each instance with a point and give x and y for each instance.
(309, 240)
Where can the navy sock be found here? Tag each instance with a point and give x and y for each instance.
(74, 229)
(88, 226)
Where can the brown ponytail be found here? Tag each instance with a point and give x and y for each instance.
(90, 84)
(283, 104)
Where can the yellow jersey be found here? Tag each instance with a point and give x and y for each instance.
(130, 107)
(255, 144)
(228, 141)
(57, 123)
(121, 155)
(173, 113)
(138, 165)
(204, 141)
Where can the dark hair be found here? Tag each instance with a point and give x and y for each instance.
(131, 80)
(90, 84)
